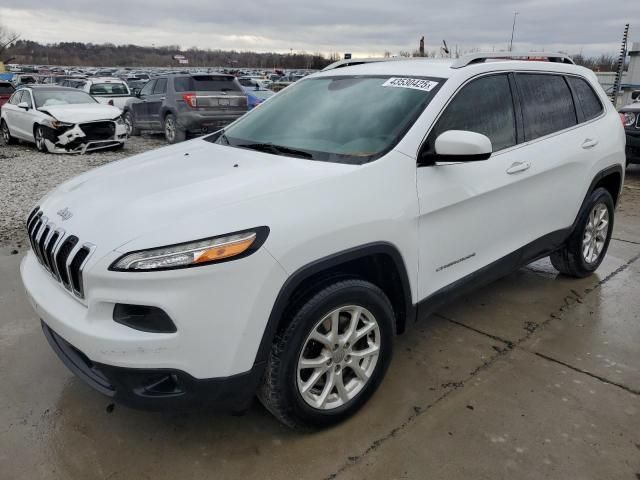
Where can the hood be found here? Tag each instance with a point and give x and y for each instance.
(83, 112)
(184, 184)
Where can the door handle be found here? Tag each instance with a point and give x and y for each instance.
(163, 98)
(589, 143)
(518, 167)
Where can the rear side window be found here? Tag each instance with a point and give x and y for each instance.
(587, 98)
(483, 106)
(6, 88)
(547, 104)
(161, 86)
(207, 83)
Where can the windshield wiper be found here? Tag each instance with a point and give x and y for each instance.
(275, 149)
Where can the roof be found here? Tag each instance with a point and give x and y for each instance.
(464, 66)
(47, 87)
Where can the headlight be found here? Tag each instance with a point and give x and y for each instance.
(193, 254)
(628, 118)
(56, 124)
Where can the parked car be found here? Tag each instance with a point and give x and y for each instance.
(110, 91)
(257, 94)
(630, 115)
(61, 120)
(6, 90)
(20, 80)
(281, 254)
(181, 104)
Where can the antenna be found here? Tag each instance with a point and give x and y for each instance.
(444, 47)
(620, 66)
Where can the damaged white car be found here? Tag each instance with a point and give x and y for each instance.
(61, 120)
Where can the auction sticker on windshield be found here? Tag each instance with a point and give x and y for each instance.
(415, 83)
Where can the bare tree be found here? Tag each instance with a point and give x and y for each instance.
(7, 38)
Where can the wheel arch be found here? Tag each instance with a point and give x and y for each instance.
(380, 263)
(611, 180)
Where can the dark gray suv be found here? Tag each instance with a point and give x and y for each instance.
(181, 104)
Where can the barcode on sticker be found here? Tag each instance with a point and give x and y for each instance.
(415, 83)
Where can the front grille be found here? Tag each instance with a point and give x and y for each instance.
(98, 131)
(61, 254)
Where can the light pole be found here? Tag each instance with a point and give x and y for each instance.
(513, 29)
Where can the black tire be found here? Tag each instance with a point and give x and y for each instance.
(5, 134)
(38, 136)
(172, 133)
(133, 131)
(279, 391)
(570, 260)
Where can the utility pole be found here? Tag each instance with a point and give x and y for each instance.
(513, 29)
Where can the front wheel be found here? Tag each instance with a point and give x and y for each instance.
(38, 135)
(587, 246)
(332, 356)
(129, 122)
(172, 132)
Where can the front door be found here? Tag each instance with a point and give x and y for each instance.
(470, 213)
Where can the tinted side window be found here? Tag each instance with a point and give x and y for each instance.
(161, 86)
(547, 104)
(182, 84)
(148, 88)
(587, 98)
(26, 97)
(483, 106)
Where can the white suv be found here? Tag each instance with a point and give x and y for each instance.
(281, 255)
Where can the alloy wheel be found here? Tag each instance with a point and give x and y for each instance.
(595, 233)
(169, 129)
(40, 142)
(338, 357)
(6, 135)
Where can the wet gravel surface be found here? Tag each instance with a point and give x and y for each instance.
(26, 175)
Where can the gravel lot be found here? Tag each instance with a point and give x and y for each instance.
(26, 175)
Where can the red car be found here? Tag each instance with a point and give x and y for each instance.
(6, 90)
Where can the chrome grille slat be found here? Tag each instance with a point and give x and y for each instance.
(61, 254)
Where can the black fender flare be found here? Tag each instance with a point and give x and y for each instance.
(323, 264)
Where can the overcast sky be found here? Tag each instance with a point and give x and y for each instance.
(364, 28)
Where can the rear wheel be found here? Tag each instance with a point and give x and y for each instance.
(38, 134)
(332, 356)
(7, 139)
(172, 133)
(587, 246)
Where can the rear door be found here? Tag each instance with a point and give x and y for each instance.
(6, 90)
(10, 111)
(470, 212)
(555, 148)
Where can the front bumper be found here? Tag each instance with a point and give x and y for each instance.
(220, 312)
(76, 140)
(157, 389)
(633, 145)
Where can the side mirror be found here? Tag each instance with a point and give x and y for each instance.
(462, 146)
(23, 105)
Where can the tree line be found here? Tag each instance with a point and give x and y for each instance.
(109, 55)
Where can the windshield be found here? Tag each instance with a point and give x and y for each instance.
(45, 98)
(109, 89)
(336, 119)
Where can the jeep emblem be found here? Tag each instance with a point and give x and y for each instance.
(65, 213)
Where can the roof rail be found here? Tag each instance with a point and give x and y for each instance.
(482, 57)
